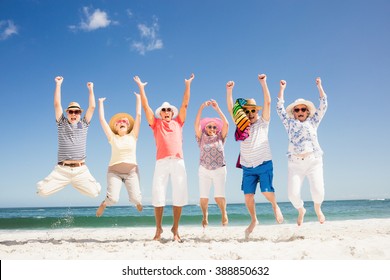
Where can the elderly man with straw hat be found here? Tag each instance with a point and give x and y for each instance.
(72, 143)
(122, 134)
(255, 153)
(167, 125)
(301, 120)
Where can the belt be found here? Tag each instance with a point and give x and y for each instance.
(306, 157)
(76, 164)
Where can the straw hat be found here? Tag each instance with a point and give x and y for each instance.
(300, 101)
(205, 121)
(118, 117)
(166, 105)
(251, 103)
(73, 106)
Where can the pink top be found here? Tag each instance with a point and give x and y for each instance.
(169, 138)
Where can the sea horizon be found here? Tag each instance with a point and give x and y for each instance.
(58, 217)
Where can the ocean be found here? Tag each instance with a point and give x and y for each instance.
(128, 216)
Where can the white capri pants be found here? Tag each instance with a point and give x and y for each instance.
(114, 185)
(79, 177)
(174, 168)
(310, 167)
(207, 178)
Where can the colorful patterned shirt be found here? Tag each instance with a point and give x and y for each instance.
(302, 136)
(212, 154)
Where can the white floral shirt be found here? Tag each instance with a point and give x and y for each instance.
(302, 136)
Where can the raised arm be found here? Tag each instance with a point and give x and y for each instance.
(225, 126)
(229, 97)
(319, 86)
(321, 110)
(267, 97)
(102, 119)
(198, 129)
(186, 98)
(283, 84)
(91, 104)
(57, 97)
(144, 101)
(137, 121)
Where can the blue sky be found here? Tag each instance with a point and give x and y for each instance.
(346, 43)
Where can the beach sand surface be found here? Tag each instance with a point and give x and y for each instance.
(333, 240)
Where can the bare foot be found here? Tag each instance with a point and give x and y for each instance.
(278, 215)
(321, 216)
(139, 207)
(225, 220)
(205, 220)
(176, 236)
(101, 208)
(301, 215)
(157, 236)
(250, 228)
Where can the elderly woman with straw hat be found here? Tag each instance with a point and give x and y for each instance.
(301, 120)
(122, 134)
(211, 136)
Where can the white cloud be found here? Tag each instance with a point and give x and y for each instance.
(129, 13)
(7, 29)
(150, 40)
(92, 21)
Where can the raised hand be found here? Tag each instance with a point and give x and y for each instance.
(190, 79)
(90, 85)
(230, 85)
(59, 80)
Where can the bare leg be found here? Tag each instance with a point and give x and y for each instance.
(101, 209)
(158, 215)
(176, 220)
(301, 215)
(221, 202)
(250, 205)
(320, 215)
(270, 196)
(204, 203)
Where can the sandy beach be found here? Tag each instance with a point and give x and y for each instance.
(334, 240)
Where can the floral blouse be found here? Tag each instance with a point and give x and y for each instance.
(302, 136)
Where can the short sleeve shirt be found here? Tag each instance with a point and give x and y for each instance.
(72, 139)
(168, 137)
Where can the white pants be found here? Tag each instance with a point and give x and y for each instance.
(310, 167)
(114, 185)
(174, 168)
(207, 178)
(79, 177)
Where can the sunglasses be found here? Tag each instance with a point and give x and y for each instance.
(122, 121)
(166, 109)
(211, 127)
(252, 111)
(296, 110)
(76, 112)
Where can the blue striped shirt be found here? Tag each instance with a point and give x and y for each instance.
(72, 139)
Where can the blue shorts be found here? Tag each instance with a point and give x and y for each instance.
(262, 174)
